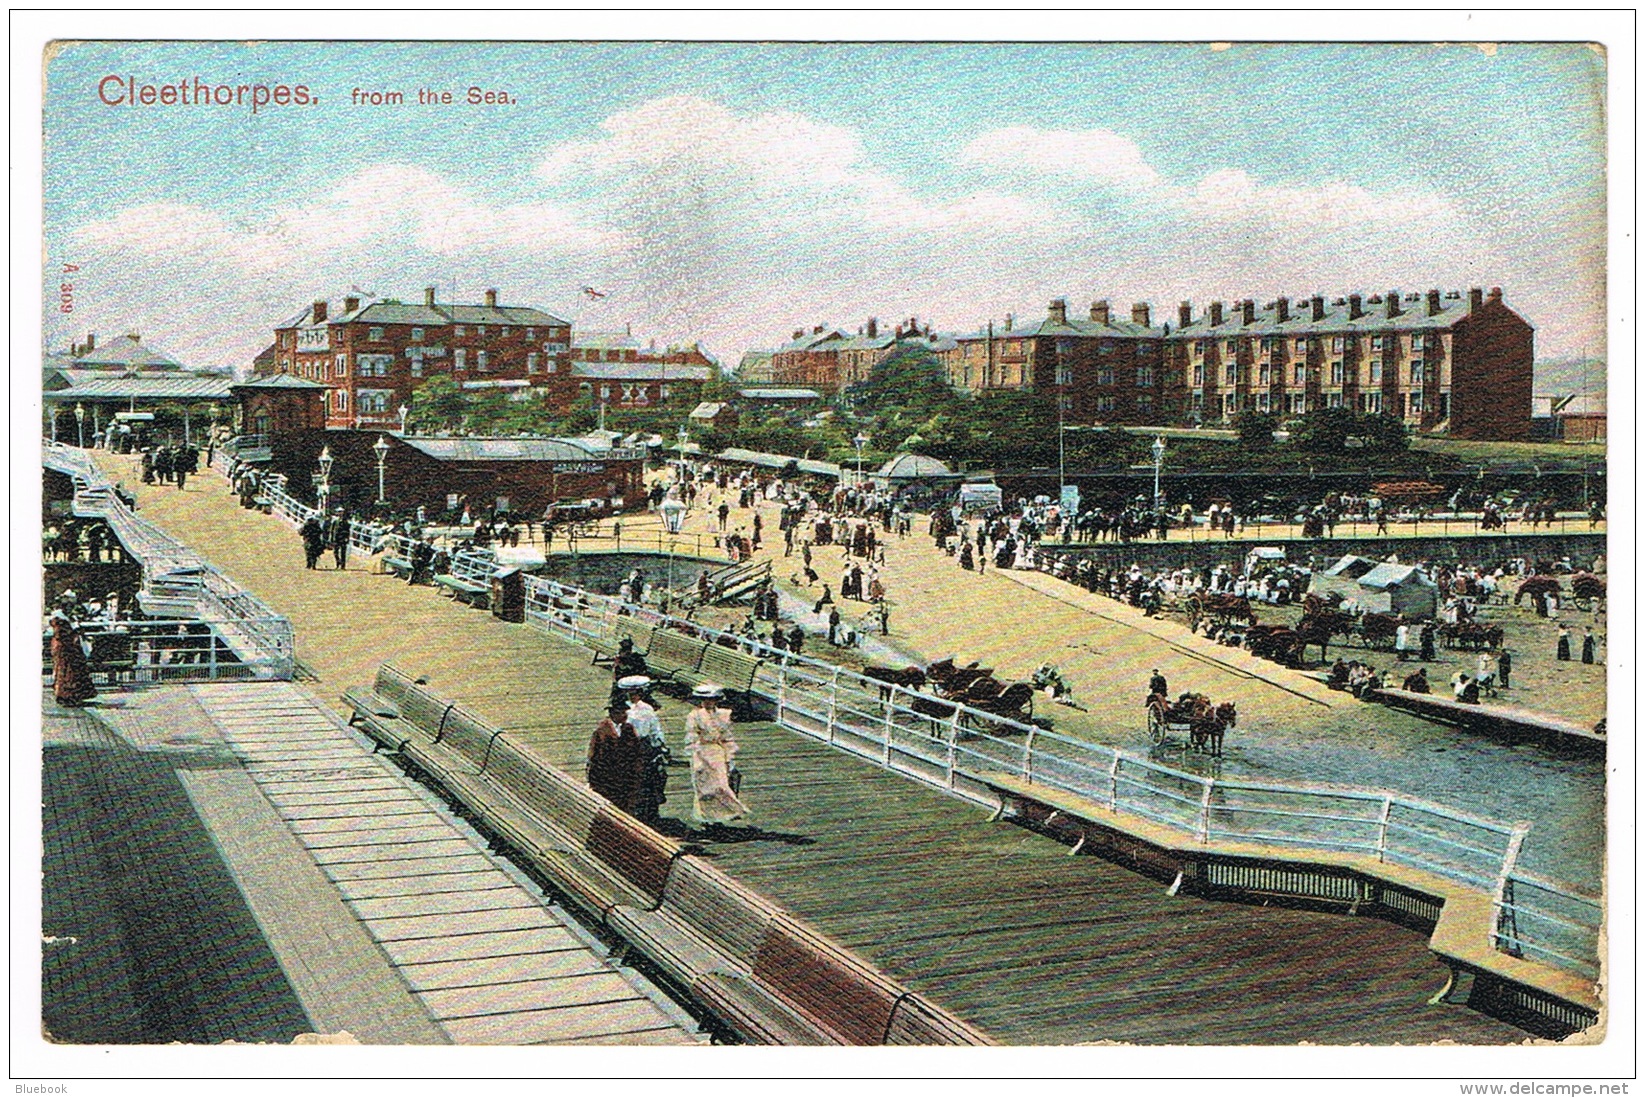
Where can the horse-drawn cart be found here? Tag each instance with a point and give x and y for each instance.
(1201, 725)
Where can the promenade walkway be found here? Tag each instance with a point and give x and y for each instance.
(990, 921)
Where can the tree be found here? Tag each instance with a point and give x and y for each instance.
(1383, 434)
(1255, 429)
(1325, 431)
(438, 404)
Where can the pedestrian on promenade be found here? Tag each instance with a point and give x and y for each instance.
(1402, 642)
(714, 777)
(148, 466)
(313, 540)
(1417, 681)
(834, 626)
(162, 464)
(1504, 668)
(341, 527)
(796, 638)
(1426, 640)
(1562, 649)
(651, 792)
(1589, 642)
(724, 513)
(71, 683)
(826, 600)
(616, 758)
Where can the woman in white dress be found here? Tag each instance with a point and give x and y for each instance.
(713, 754)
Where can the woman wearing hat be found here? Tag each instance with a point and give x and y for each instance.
(713, 753)
(652, 791)
(70, 672)
(616, 758)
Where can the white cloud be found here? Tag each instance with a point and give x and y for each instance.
(1098, 154)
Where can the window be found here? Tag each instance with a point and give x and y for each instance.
(1262, 402)
(1104, 346)
(1067, 403)
(1065, 375)
(505, 329)
(1199, 374)
(1417, 342)
(531, 333)
(1145, 377)
(605, 392)
(481, 361)
(1336, 373)
(1262, 375)
(1338, 343)
(342, 365)
(1296, 403)
(1302, 346)
(1233, 346)
(1105, 375)
(554, 348)
(1143, 349)
(532, 364)
(1376, 343)
(1333, 400)
(342, 399)
(375, 335)
(416, 335)
(1199, 347)
(1416, 371)
(1376, 372)
(1145, 404)
(459, 358)
(458, 330)
(502, 503)
(1197, 401)
(1416, 404)
(1230, 403)
(1371, 402)
(417, 367)
(1105, 403)
(374, 401)
(1300, 374)
(1230, 373)
(662, 390)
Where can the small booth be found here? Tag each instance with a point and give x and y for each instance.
(982, 496)
(508, 594)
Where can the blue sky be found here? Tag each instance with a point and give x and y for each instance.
(734, 193)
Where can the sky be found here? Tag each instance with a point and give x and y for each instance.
(731, 194)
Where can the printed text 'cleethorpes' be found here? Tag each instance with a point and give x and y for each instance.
(126, 91)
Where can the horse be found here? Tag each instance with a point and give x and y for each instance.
(909, 678)
(1206, 730)
(1319, 628)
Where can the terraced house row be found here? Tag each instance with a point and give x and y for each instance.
(1453, 362)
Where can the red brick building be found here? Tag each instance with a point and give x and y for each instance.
(372, 357)
(612, 368)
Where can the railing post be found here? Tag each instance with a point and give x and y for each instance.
(1027, 754)
(953, 743)
(782, 688)
(1516, 839)
(1114, 783)
(1205, 810)
(1382, 829)
(833, 702)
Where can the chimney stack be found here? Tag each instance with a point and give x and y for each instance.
(1248, 311)
(1474, 296)
(491, 299)
(1216, 313)
(873, 327)
(1185, 314)
(817, 330)
(1140, 315)
(1495, 296)
(428, 296)
(319, 312)
(1355, 307)
(1392, 303)
(1282, 310)
(1099, 311)
(1316, 308)
(799, 333)
(1010, 319)
(350, 304)
(1057, 311)
(91, 339)
(1433, 302)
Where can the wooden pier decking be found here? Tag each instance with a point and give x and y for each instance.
(990, 921)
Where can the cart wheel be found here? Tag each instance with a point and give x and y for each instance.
(1156, 727)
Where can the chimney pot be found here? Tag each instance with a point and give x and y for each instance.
(1010, 319)
(1316, 306)
(350, 304)
(799, 332)
(873, 327)
(1099, 311)
(1392, 303)
(91, 341)
(1282, 310)
(817, 330)
(1185, 314)
(1216, 313)
(1433, 302)
(1496, 294)
(319, 312)
(1355, 307)
(428, 296)
(1474, 296)
(1248, 311)
(1140, 314)
(1057, 311)
(491, 299)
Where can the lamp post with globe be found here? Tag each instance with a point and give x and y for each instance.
(380, 448)
(859, 442)
(322, 480)
(80, 423)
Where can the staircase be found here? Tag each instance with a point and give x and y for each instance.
(726, 585)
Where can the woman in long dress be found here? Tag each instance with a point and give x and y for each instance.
(615, 762)
(713, 751)
(70, 674)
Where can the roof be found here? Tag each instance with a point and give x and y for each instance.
(778, 461)
(501, 449)
(708, 409)
(913, 467)
(280, 381)
(641, 371)
(140, 387)
(811, 340)
(779, 394)
(1335, 317)
(1590, 404)
(58, 377)
(129, 352)
(396, 312)
(1351, 566)
(1394, 575)
(1078, 327)
(605, 341)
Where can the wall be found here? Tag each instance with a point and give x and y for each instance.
(1491, 375)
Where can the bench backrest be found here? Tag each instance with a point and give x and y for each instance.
(718, 908)
(674, 651)
(635, 852)
(729, 668)
(637, 631)
(840, 993)
(917, 1022)
(419, 706)
(469, 736)
(543, 789)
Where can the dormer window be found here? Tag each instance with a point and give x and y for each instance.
(416, 335)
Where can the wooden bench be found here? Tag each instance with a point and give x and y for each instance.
(460, 750)
(629, 627)
(396, 710)
(727, 667)
(469, 580)
(672, 655)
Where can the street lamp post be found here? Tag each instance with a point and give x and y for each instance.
(1159, 457)
(404, 412)
(80, 423)
(324, 489)
(54, 410)
(859, 442)
(684, 436)
(380, 448)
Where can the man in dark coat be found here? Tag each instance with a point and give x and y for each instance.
(162, 464)
(1589, 643)
(1504, 668)
(1156, 684)
(341, 527)
(313, 540)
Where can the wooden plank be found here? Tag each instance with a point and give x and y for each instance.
(551, 1026)
(470, 861)
(528, 995)
(428, 884)
(445, 903)
(464, 947)
(481, 971)
(406, 927)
